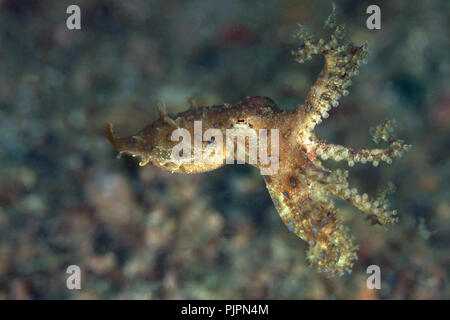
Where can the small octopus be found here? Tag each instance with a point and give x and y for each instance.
(302, 188)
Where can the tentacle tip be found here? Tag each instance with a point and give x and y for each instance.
(116, 141)
(144, 162)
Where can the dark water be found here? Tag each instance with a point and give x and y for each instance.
(143, 233)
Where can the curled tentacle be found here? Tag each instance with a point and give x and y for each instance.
(311, 216)
(377, 209)
(383, 132)
(341, 64)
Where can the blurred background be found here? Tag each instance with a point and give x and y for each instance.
(143, 233)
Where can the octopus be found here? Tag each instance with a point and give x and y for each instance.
(301, 187)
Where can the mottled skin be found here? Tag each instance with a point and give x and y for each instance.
(153, 143)
(302, 188)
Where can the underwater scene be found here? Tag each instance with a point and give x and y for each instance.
(205, 149)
